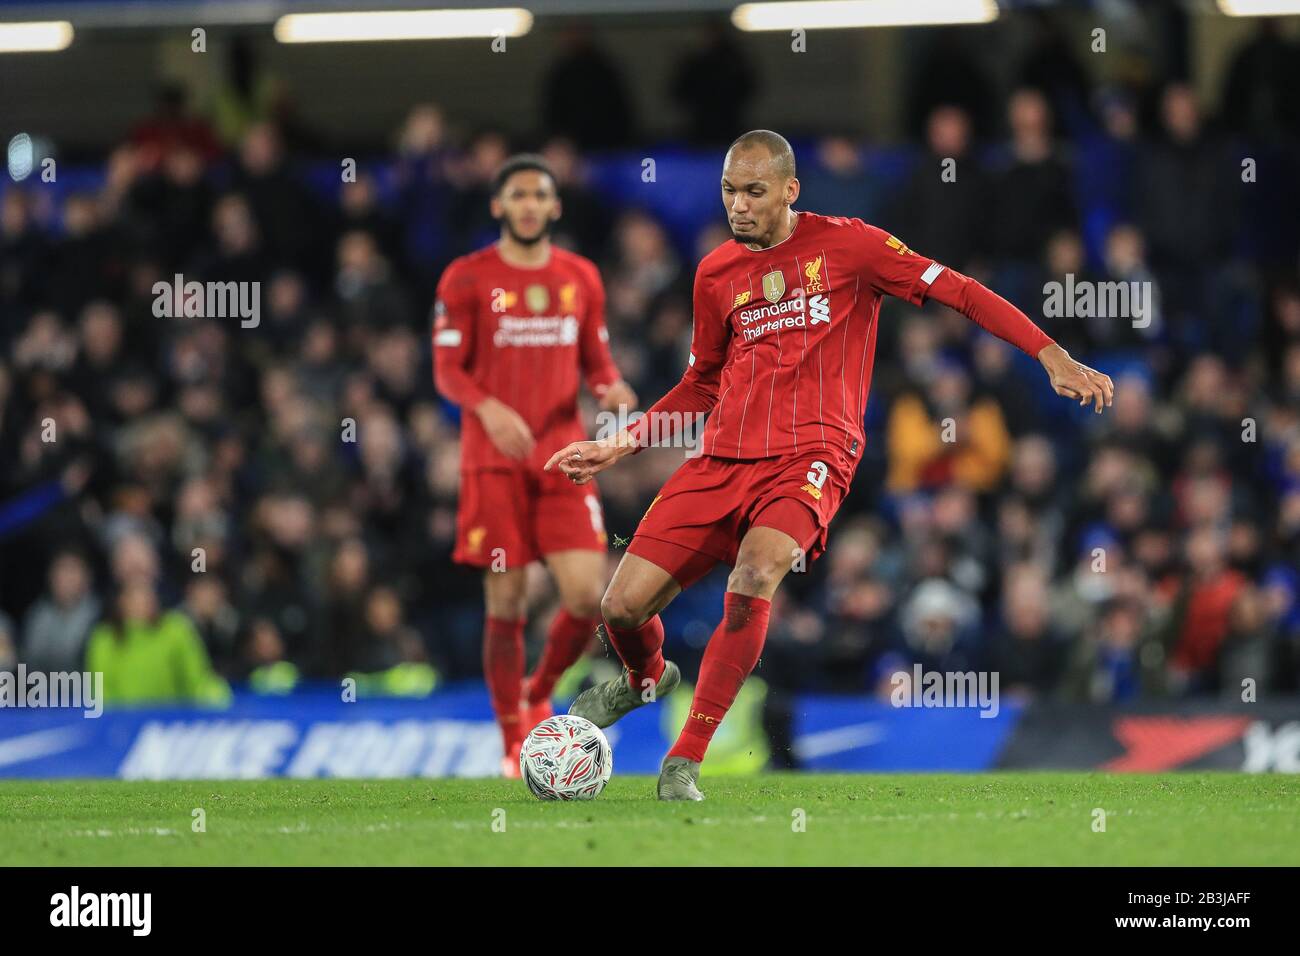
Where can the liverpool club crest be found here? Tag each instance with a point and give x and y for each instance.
(537, 298)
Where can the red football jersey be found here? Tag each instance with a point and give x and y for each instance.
(784, 337)
(523, 336)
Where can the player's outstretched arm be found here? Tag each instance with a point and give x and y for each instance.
(995, 314)
(580, 461)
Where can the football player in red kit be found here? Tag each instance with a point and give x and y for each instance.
(785, 321)
(516, 326)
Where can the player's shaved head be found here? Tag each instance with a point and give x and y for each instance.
(759, 187)
(776, 146)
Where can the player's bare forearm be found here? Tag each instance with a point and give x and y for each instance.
(580, 461)
(505, 427)
(616, 396)
(583, 460)
(1075, 380)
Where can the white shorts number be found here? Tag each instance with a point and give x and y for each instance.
(597, 520)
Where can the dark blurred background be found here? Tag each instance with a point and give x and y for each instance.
(1149, 552)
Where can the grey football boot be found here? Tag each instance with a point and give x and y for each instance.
(607, 702)
(677, 779)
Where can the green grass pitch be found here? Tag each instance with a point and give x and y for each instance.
(1185, 819)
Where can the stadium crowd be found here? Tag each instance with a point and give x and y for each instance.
(274, 502)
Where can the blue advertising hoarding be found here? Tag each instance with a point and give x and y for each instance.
(452, 733)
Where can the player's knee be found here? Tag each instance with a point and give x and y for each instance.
(754, 578)
(584, 605)
(621, 612)
(507, 609)
(506, 595)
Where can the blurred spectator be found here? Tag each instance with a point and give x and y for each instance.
(469, 215)
(360, 211)
(263, 663)
(1248, 656)
(1117, 659)
(1032, 198)
(22, 251)
(148, 656)
(347, 644)
(286, 214)
(1186, 209)
(939, 622)
(587, 219)
(1029, 656)
(714, 85)
(169, 129)
(947, 74)
(1261, 93)
(1051, 66)
(837, 183)
(396, 641)
(8, 645)
(207, 605)
(1202, 608)
(946, 216)
(368, 294)
(424, 192)
(247, 95)
(584, 96)
(56, 627)
(1107, 166)
(945, 436)
(1125, 260)
(644, 266)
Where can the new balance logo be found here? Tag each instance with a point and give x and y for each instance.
(819, 310)
(816, 478)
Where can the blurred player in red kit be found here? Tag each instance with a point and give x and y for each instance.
(516, 326)
(785, 320)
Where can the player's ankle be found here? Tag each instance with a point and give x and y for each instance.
(653, 671)
(689, 748)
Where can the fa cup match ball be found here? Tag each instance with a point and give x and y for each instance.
(566, 758)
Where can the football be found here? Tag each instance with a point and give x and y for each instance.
(566, 758)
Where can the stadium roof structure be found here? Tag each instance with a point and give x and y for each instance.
(164, 13)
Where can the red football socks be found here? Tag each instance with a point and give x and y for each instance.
(641, 649)
(732, 653)
(565, 642)
(503, 666)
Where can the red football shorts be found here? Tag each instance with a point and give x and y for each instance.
(704, 510)
(509, 517)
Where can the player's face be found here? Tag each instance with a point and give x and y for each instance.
(755, 196)
(526, 206)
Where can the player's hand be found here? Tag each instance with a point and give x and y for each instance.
(618, 395)
(506, 428)
(1075, 380)
(580, 461)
